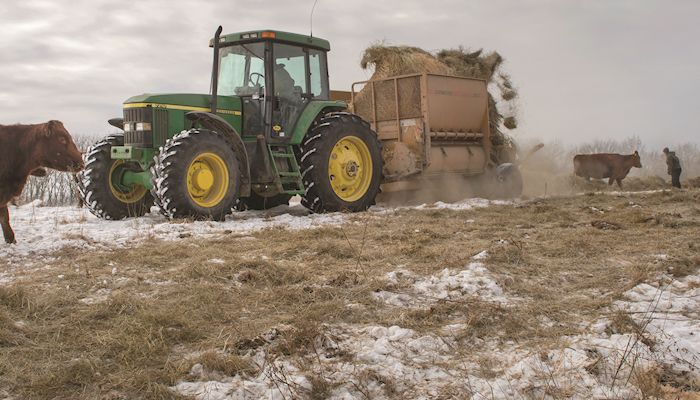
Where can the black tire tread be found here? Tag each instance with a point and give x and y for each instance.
(175, 205)
(94, 193)
(318, 198)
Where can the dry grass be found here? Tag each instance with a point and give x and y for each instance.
(227, 364)
(170, 306)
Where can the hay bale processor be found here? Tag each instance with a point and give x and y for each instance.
(273, 129)
(436, 127)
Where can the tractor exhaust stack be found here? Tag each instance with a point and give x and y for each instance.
(215, 71)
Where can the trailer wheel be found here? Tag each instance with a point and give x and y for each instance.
(197, 175)
(258, 202)
(100, 188)
(341, 163)
(509, 181)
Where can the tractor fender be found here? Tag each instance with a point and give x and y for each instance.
(311, 113)
(215, 123)
(117, 123)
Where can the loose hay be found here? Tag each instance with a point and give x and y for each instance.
(390, 61)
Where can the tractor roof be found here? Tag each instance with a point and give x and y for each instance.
(269, 34)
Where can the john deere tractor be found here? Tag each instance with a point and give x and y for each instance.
(267, 132)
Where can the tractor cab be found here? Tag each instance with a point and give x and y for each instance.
(276, 74)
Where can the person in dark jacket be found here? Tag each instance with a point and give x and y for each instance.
(674, 167)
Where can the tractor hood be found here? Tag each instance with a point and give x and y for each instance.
(186, 102)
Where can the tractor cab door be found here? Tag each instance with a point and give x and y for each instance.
(242, 74)
(300, 74)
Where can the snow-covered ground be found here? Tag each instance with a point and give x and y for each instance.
(43, 230)
(669, 312)
(374, 361)
(449, 285)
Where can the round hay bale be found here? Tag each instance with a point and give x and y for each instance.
(389, 61)
(401, 60)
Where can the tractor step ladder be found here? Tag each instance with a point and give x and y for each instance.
(290, 177)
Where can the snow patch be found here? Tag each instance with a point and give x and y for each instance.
(384, 362)
(415, 291)
(670, 315)
(5, 278)
(466, 204)
(43, 230)
(381, 362)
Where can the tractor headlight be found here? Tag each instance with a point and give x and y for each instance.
(143, 126)
(127, 127)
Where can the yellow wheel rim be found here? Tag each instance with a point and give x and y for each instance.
(350, 168)
(207, 180)
(124, 194)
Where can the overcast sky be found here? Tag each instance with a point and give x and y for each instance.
(585, 69)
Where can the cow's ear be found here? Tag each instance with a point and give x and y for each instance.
(45, 130)
(52, 127)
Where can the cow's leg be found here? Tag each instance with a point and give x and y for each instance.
(619, 182)
(610, 181)
(5, 222)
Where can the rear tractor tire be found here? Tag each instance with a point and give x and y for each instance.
(197, 175)
(100, 188)
(341, 164)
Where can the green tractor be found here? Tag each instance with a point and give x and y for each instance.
(267, 132)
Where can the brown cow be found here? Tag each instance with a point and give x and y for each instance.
(601, 166)
(27, 149)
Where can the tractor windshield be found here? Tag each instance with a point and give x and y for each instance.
(241, 69)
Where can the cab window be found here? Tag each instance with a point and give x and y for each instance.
(290, 70)
(319, 74)
(241, 69)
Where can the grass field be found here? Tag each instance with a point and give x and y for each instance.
(579, 296)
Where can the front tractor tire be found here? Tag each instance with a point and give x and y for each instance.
(197, 175)
(341, 163)
(100, 183)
